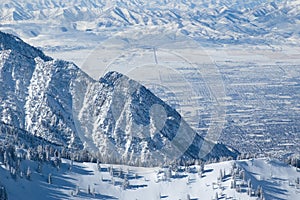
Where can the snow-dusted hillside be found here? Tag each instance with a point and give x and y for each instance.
(245, 179)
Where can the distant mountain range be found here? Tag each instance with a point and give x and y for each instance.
(115, 116)
(214, 21)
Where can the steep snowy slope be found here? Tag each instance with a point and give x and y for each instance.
(15, 77)
(116, 116)
(119, 112)
(29, 99)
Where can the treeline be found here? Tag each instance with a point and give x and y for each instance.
(294, 161)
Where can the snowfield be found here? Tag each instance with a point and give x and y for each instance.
(104, 181)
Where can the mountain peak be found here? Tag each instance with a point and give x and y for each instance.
(112, 77)
(14, 43)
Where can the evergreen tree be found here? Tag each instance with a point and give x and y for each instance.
(112, 180)
(39, 168)
(259, 191)
(50, 178)
(3, 193)
(28, 173)
(169, 174)
(77, 190)
(98, 165)
(233, 184)
(297, 181)
(188, 197)
(125, 183)
(93, 192)
(13, 173)
(89, 189)
(249, 184)
(220, 175)
(216, 196)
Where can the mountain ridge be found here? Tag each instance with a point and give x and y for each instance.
(117, 116)
(14, 42)
(220, 22)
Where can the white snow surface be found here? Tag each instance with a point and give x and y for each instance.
(277, 181)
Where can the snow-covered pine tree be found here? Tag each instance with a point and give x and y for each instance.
(233, 184)
(39, 168)
(220, 175)
(169, 173)
(77, 190)
(258, 191)
(188, 197)
(98, 165)
(216, 196)
(50, 178)
(297, 181)
(28, 174)
(13, 173)
(89, 189)
(125, 184)
(94, 192)
(249, 183)
(3, 193)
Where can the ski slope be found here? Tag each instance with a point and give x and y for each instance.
(88, 181)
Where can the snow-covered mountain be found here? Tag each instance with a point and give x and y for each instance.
(29, 99)
(73, 29)
(116, 116)
(52, 112)
(222, 22)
